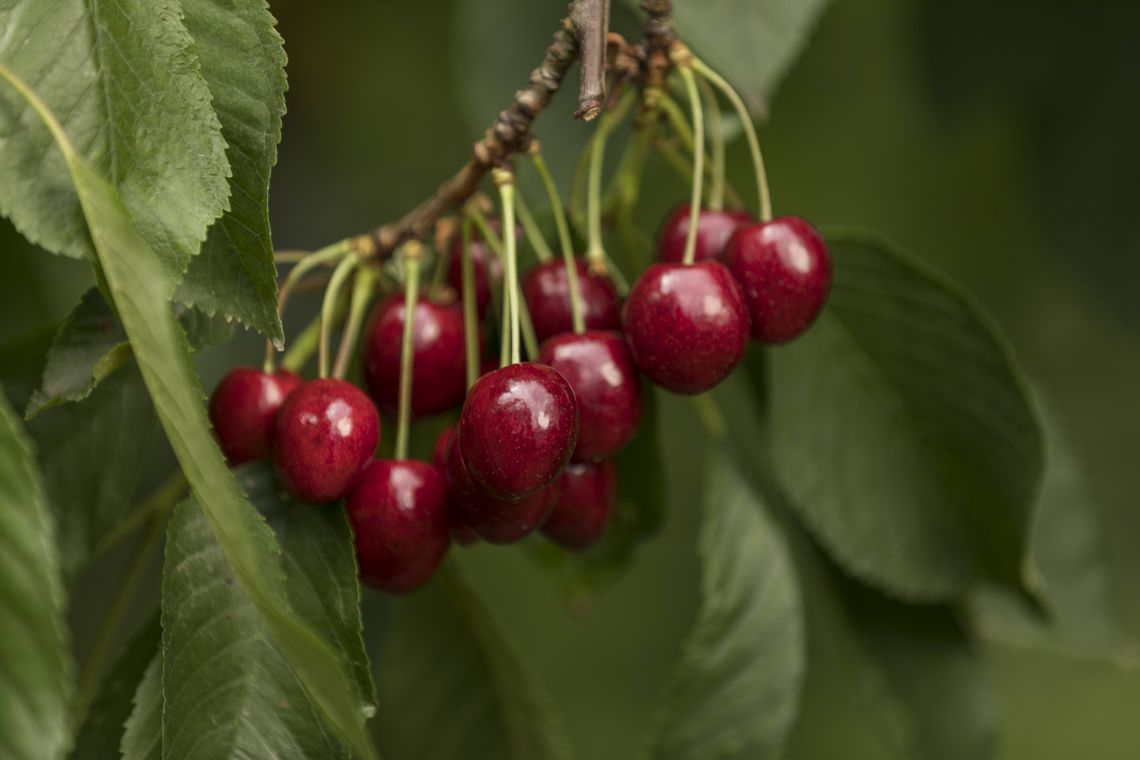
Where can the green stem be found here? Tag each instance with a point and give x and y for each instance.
(578, 186)
(328, 307)
(575, 287)
(361, 296)
(595, 251)
(710, 415)
(716, 129)
(684, 169)
(529, 337)
(720, 83)
(470, 307)
(489, 236)
(325, 256)
(533, 232)
(411, 253)
(698, 162)
(676, 116)
(505, 180)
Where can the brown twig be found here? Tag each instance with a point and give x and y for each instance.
(590, 20)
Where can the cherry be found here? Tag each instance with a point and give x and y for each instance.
(488, 266)
(398, 511)
(586, 502)
(438, 369)
(714, 228)
(442, 447)
(547, 291)
(325, 433)
(600, 370)
(687, 326)
(518, 428)
(242, 409)
(497, 521)
(462, 533)
(785, 272)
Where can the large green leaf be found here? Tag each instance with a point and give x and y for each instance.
(736, 690)
(142, 732)
(903, 431)
(126, 84)
(227, 690)
(235, 275)
(452, 686)
(35, 679)
(142, 288)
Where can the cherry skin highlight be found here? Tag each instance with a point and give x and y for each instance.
(599, 368)
(587, 498)
(398, 511)
(242, 409)
(785, 272)
(714, 228)
(439, 365)
(687, 326)
(547, 291)
(518, 428)
(324, 435)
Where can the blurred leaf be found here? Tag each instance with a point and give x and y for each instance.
(452, 688)
(22, 360)
(125, 81)
(35, 680)
(102, 732)
(235, 274)
(902, 429)
(142, 733)
(736, 690)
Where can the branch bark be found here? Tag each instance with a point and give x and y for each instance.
(591, 21)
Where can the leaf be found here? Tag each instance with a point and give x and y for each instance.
(101, 734)
(235, 274)
(454, 689)
(142, 288)
(125, 81)
(142, 733)
(35, 679)
(228, 692)
(903, 431)
(736, 690)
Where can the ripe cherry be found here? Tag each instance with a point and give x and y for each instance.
(444, 444)
(547, 291)
(242, 409)
(785, 272)
(398, 511)
(586, 501)
(325, 433)
(600, 370)
(439, 364)
(687, 326)
(518, 428)
(714, 228)
(488, 267)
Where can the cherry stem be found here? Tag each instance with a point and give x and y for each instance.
(578, 186)
(676, 117)
(324, 257)
(490, 237)
(533, 232)
(684, 169)
(595, 251)
(361, 296)
(564, 238)
(506, 183)
(412, 251)
(328, 309)
(289, 257)
(762, 192)
(716, 129)
(698, 162)
(470, 319)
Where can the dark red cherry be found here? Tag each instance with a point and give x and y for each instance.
(714, 228)
(687, 326)
(496, 521)
(518, 428)
(785, 272)
(442, 447)
(547, 291)
(242, 409)
(606, 385)
(438, 379)
(398, 511)
(586, 501)
(324, 435)
(488, 267)
(441, 453)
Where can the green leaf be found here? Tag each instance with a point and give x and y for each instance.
(227, 690)
(453, 687)
(235, 275)
(102, 732)
(736, 690)
(124, 78)
(142, 288)
(903, 431)
(35, 680)
(142, 732)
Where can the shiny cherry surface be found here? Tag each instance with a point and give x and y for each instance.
(242, 409)
(714, 228)
(547, 291)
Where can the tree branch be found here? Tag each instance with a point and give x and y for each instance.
(591, 20)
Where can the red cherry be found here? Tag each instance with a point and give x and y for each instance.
(325, 433)
(687, 326)
(242, 409)
(439, 364)
(547, 291)
(714, 228)
(785, 272)
(462, 533)
(442, 447)
(398, 512)
(606, 385)
(497, 521)
(488, 267)
(586, 502)
(518, 428)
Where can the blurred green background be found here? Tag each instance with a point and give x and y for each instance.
(997, 140)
